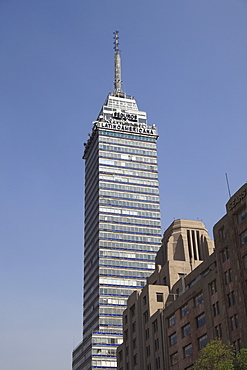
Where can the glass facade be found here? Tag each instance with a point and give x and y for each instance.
(122, 223)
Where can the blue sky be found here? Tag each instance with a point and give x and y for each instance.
(185, 61)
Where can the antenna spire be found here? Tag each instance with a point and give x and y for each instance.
(117, 67)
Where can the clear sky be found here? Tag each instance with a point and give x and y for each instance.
(185, 61)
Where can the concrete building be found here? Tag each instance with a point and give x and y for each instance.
(189, 301)
(122, 221)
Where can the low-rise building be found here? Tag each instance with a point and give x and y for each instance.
(197, 293)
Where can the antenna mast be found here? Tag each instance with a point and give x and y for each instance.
(117, 67)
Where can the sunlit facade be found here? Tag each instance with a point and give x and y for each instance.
(122, 223)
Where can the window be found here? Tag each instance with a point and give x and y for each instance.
(133, 310)
(186, 330)
(202, 341)
(173, 339)
(127, 350)
(125, 319)
(159, 297)
(156, 344)
(234, 321)
(134, 326)
(242, 215)
(216, 309)
(243, 237)
(149, 367)
(245, 261)
(184, 310)
(228, 276)
(200, 320)
(145, 316)
(218, 331)
(171, 320)
(157, 363)
(231, 299)
(120, 355)
(198, 299)
(225, 254)
(222, 233)
(135, 360)
(147, 333)
(213, 287)
(134, 343)
(148, 351)
(237, 345)
(145, 300)
(165, 281)
(155, 326)
(174, 359)
(126, 334)
(187, 350)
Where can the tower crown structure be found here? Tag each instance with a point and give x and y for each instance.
(122, 230)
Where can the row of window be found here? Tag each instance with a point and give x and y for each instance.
(128, 164)
(129, 180)
(122, 282)
(130, 237)
(128, 204)
(116, 228)
(124, 149)
(115, 292)
(187, 350)
(123, 272)
(129, 220)
(127, 264)
(128, 246)
(132, 196)
(130, 212)
(186, 330)
(130, 188)
(105, 136)
(126, 172)
(126, 255)
(127, 157)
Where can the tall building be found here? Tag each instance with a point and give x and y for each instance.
(122, 220)
(197, 293)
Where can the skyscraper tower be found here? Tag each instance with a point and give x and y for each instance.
(122, 220)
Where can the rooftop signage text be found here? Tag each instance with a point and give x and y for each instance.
(237, 199)
(125, 116)
(124, 127)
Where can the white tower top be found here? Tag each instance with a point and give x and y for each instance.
(117, 68)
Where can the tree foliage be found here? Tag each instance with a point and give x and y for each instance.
(216, 356)
(241, 360)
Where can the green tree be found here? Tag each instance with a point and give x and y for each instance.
(216, 356)
(241, 360)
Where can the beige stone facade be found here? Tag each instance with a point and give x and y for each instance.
(196, 293)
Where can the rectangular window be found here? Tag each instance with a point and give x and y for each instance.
(171, 320)
(218, 331)
(173, 339)
(242, 215)
(231, 299)
(213, 287)
(145, 300)
(145, 316)
(216, 309)
(198, 299)
(202, 341)
(225, 254)
(159, 297)
(187, 350)
(200, 320)
(135, 360)
(149, 367)
(156, 344)
(125, 319)
(134, 326)
(243, 237)
(184, 310)
(147, 333)
(155, 326)
(186, 330)
(157, 363)
(134, 343)
(174, 359)
(148, 351)
(120, 355)
(245, 261)
(126, 334)
(133, 310)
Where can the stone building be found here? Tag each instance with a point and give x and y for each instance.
(195, 294)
